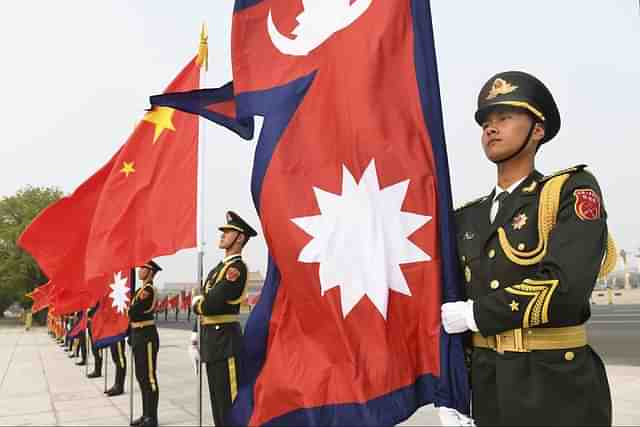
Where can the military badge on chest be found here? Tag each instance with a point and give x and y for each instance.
(519, 221)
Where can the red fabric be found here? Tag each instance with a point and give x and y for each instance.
(315, 355)
(172, 302)
(107, 321)
(40, 297)
(227, 109)
(79, 327)
(186, 301)
(114, 221)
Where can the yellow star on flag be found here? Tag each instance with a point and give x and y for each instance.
(127, 168)
(515, 306)
(161, 117)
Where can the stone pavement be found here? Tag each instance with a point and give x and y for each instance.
(40, 385)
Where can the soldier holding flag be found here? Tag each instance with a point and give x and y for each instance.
(218, 307)
(145, 343)
(530, 253)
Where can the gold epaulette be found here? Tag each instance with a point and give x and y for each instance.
(574, 169)
(471, 203)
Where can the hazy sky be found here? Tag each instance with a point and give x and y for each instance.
(77, 75)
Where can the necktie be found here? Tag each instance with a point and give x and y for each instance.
(497, 204)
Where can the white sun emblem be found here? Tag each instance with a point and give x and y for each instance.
(361, 238)
(119, 292)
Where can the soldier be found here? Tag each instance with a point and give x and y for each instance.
(218, 307)
(119, 359)
(97, 353)
(530, 253)
(145, 343)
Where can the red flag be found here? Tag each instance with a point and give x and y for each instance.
(79, 327)
(110, 322)
(172, 302)
(119, 217)
(40, 297)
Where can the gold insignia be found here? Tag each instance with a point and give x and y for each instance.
(515, 306)
(530, 188)
(494, 284)
(521, 246)
(519, 221)
(569, 356)
(540, 291)
(467, 273)
(500, 87)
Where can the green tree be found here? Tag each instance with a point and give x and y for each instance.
(19, 273)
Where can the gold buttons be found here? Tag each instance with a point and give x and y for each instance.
(492, 253)
(467, 274)
(464, 258)
(521, 246)
(494, 284)
(569, 356)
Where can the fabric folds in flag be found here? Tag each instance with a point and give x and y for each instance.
(141, 204)
(41, 297)
(110, 322)
(217, 105)
(351, 183)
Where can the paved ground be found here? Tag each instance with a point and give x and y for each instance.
(40, 385)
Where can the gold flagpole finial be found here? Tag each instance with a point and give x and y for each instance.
(203, 49)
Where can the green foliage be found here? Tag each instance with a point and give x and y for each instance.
(19, 273)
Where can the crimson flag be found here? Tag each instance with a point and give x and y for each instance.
(110, 322)
(351, 183)
(41, 297)
(140, 205)
(172, 302)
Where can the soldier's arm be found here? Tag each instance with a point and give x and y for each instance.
(564, 279)
(144, 301)
(230, 288)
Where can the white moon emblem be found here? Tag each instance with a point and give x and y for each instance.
(319, 20)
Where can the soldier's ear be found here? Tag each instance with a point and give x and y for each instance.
(538, 131)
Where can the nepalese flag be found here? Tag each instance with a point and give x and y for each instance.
(41, 297)
(110, 322)
(351, 183)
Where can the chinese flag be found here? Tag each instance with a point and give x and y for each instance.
(40, 297)
(139, 205)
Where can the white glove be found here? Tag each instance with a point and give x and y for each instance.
(451, 417)
(194, 339)
(458, 317)
(196, 301)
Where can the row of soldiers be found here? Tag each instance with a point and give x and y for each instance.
(76, 346)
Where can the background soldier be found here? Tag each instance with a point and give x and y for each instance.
(218, 307)
(145, 343)
(97, 353)
(120, 361)
(530, 253)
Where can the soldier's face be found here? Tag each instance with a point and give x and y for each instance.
(143, 273)
(503, 132)
(227, 239)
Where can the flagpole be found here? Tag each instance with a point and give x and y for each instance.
(105, 367)
(203, 57)
(132, 279)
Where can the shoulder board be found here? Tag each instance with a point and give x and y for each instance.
(472, 203)
(574, 169)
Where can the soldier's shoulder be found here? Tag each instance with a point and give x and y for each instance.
(579, 176)
(472, 203)
(578, 170)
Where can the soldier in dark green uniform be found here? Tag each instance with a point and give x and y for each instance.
(120, 362)
(145, 343)
(218, 307)
(530, 253)
(97, 353)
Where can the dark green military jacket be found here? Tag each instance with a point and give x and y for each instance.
(520, 278)
(510, 289)
(223, 292)
(140, 310)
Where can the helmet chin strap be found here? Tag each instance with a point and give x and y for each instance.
(519, 150)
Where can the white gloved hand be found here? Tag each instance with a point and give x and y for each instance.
(196, 300)
(458, 317)
(194, 339)
(451, 417)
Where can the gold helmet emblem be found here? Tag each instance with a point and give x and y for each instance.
(500, 87)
